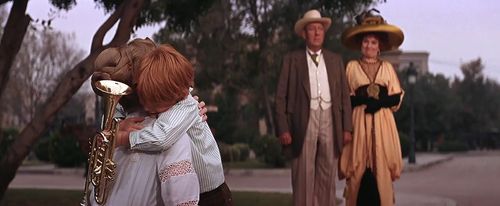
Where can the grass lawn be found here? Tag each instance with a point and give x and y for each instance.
(42, 197)
(264, 199)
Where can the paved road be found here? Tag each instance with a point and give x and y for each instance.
(471, 179)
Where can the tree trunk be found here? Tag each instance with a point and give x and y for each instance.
(12, 39)
(127, 13)
(269, 113)
(263, 34)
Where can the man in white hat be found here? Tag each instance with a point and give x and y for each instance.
(313, 113)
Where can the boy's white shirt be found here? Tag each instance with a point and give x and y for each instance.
(166, 130)
(155, 178)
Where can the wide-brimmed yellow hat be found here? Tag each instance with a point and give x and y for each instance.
(309, 17)
(369, 23)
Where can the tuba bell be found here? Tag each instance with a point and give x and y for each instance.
(101, 168)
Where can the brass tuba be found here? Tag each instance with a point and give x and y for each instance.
(101, 168)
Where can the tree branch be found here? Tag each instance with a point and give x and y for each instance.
(128, 21)
(127, 13)
(4, 1)
(97, 40)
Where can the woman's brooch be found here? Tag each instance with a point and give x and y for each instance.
(373, 90)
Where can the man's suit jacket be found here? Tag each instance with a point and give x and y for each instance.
(293, 98)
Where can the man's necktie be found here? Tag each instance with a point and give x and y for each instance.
(315, 58)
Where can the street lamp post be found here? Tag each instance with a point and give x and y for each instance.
(412, 79)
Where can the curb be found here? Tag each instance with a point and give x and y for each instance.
(257, 172)
(287, 171)
(412, 168)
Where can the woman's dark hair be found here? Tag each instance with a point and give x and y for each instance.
(381, 36)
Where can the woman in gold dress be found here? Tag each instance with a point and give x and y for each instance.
(372, 161)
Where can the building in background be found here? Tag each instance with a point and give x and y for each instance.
(401, 60)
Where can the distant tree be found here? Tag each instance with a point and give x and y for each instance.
(459, 111)
(434, 104)
(44, 57)
(478, 95)
(470, 93)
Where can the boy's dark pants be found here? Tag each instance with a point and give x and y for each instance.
(220, 196)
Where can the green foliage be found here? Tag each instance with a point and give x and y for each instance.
(42, 150)
(268, 150)
(179, 14)
(223, 122)
(478, 112)
(226, 152)
(404, 140)
(63, 4)
(65, 151)
(431, 96)
(234, 153)
(478, 98)
(244, 151)
(462, 110)
(6, 139)
(453, 146)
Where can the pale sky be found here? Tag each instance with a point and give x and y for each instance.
(452, 31)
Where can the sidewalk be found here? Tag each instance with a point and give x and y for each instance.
(256, 180)
(278, 180)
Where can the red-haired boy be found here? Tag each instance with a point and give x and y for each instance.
(164, 78)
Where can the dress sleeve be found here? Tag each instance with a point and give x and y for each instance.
(349, 75)
(394, 86)
(345, 169)
(167, 129)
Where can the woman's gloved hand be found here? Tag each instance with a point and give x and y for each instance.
(372, 105)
